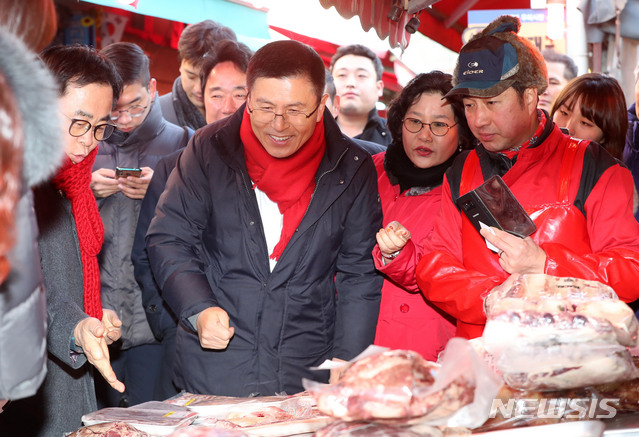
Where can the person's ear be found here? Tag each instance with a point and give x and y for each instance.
(152, 88)
(531, 98)
(335, 109)
(320, 108)
(380, 88)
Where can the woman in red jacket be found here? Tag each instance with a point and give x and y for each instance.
(428, 132)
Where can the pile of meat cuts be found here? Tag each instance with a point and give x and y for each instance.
(545, 332)
(392, 386)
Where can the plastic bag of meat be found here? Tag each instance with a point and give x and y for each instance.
(400, 386)
(113, 429)
(548, 333)
(544, 293)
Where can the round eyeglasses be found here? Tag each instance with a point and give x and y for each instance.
(79, 127)
(438, 128)
(133, 111)
(292, 116)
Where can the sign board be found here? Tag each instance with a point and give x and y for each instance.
(533, 26)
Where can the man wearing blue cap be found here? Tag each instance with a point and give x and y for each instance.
(579, 196)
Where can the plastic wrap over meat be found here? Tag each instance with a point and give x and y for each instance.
(113, 429)
(400, 386)
(544, 332)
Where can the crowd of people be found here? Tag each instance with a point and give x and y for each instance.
(268, 218)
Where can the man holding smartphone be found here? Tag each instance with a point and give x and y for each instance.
(579, 196)
(141, 139)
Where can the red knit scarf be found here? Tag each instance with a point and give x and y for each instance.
(74, 181)
(289, 182)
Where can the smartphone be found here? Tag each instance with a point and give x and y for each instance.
(122, 172)
(493, 204)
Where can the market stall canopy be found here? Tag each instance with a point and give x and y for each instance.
(246, 21)
(443, 21)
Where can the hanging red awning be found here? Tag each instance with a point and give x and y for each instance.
(443, 22)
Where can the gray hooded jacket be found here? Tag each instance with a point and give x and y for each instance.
(22, 299)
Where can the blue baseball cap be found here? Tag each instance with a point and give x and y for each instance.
(486, 67)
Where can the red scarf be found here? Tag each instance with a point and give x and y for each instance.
(74, 181)
(289, 182)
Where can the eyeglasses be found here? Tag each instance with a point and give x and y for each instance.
(133, 111)
(438, 128)
(78, 127)
(292, 116)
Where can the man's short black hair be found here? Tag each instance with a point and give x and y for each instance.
(225, 51)
(550, 55)
(359, 50)
(80, 65)
(280, 59)
(130, 61)
(198, 38)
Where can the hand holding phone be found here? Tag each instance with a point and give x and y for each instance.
(493, 204)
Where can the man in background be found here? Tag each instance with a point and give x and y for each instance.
(184, 106)
(332, 104)
(561, 70)
(358, 80)
(223, 78)
(141, 139)
(223, 75)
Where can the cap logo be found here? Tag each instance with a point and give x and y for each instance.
(473, 64)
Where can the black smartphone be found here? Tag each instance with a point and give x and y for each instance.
(493, 204)
(123, 172)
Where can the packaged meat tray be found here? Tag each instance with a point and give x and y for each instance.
(256, 416)
(155, 418)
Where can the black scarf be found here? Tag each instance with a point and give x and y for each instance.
(186, 112)
(401, 170)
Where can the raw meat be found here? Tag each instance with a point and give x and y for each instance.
(113, 429)
(392, 385)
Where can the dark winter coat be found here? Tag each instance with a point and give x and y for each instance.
(144, 147)
(376, 130)
(207, 249)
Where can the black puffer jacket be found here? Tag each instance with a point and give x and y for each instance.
(207, 248)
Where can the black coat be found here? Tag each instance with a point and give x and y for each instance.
(207, 248)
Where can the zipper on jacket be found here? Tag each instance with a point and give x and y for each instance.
(322, 175)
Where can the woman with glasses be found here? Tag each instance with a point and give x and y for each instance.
(428, 133)
(78, 329)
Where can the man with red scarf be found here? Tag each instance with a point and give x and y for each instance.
(261, 242)
(578, 195)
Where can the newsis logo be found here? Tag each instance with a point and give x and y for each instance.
(554, 408)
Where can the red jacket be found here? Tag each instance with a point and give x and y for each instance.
(406, 320)
(581, 204)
